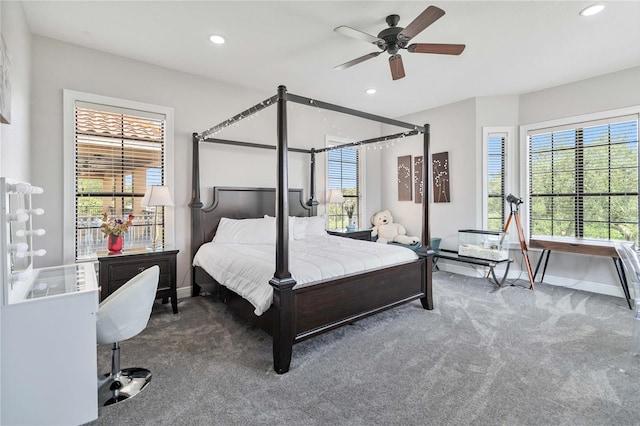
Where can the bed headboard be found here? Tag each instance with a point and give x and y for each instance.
(243, 203)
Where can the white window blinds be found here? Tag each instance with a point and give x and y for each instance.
(583, 180)
(496, 159)
(118, 153)
(344, 174)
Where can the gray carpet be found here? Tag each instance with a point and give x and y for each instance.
(483, 356)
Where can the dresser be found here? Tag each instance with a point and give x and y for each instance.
(117, 269)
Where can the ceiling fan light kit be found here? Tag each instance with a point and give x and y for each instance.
(395, 38)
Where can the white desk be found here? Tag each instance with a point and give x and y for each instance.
(48, 354)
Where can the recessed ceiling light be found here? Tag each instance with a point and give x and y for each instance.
(592, 10)
(370, 91)
(216, 39)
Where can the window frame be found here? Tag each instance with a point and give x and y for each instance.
(70, 98)
(335, 141)
(558, 123)
(507, 133)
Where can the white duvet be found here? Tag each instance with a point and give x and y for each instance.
(247, 268)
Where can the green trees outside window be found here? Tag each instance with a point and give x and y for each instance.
(496, 178)
(344, 174)
(583, 181)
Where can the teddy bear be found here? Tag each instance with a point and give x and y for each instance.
(387, 231)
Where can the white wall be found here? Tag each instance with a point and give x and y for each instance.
(607, 92)
(453, 131)
(198, 103)
(603, 93)
(15, 137)
(499, 111)
(457, 128)
(307, 128)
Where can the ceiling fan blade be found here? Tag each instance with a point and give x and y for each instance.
(426, 18)
(442, 49)
(397, 68)
(350, 32)
(356, 61)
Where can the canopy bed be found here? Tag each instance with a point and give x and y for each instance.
(297, 312)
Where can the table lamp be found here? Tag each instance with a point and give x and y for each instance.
(156, 195)
(335, 197)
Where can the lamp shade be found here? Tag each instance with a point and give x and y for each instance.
(157, 195)
(335, 196)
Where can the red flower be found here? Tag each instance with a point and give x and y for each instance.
(115, 226)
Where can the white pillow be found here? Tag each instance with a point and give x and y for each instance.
(315, 226)
(299, 228)
(246, 231)
(296, 227)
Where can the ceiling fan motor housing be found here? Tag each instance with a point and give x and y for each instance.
(390, 35)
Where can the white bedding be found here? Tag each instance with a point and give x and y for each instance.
(247, 268)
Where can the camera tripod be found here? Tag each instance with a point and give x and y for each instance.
(514, 203)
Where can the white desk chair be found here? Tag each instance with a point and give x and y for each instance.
(122, 315)
(631, 266)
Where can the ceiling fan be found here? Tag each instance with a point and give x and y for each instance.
(394, 38)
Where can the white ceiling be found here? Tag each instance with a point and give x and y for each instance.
(512, 47)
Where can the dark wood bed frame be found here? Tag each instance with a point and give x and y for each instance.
(301, 313)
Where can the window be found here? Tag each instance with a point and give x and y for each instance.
(117, 153)
(496, 142)
(343, 172)
(583, 179)
(495, 182)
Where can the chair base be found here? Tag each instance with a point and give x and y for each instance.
(124, 385)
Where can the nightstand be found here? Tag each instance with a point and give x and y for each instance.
(117, 269)
(358, 234)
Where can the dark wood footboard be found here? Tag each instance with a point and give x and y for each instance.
(320, 307)
(325, 306)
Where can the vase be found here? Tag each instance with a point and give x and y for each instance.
(351, 226)
(114, 243)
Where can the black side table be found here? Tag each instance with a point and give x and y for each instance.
(358, 234)
(117, 269)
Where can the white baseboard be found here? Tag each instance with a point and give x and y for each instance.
(593, 287)
(184, 292)
(480, 271)
(460, 268)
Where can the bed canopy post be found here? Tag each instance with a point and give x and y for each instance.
(426, 251)
(282, 190)
(312, 185)
(426, 195)
(282, 282)
(294, 315)
(197, 237)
